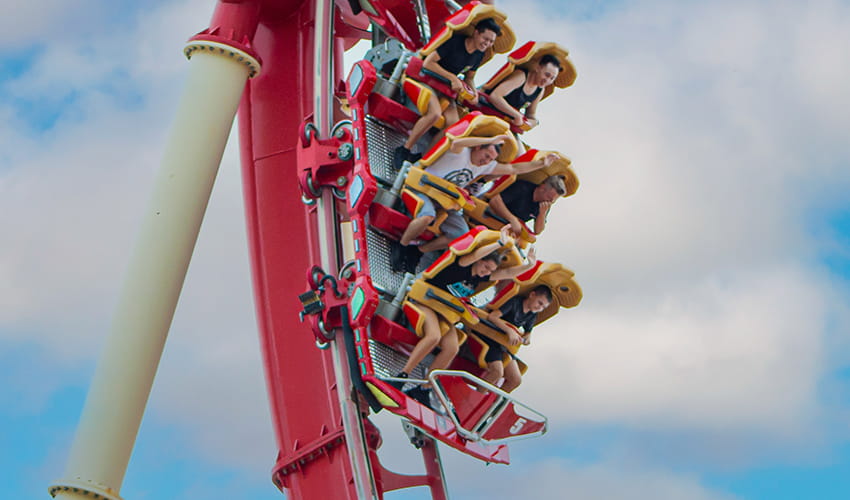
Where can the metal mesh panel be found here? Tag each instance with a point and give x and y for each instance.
(388, 362)
(382, 274)
(382, 142)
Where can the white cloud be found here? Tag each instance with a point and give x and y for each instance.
(702, 135)
(538, 474)
(740, 353)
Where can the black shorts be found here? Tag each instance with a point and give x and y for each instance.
(496, 350)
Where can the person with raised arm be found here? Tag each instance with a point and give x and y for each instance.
(467, 159)
(460, 278)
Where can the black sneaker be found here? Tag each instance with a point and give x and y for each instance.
(414, 157)
(398, 384)
(411, 258)
(400, 154)
(398, 257)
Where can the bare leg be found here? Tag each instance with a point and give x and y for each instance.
(512, 376)
(451, 116)
(438, 243)
(424, 123)
(427, 343)
(494, 373)
(415, 228)
(448, 351)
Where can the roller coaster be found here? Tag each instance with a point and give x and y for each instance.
(341, 304)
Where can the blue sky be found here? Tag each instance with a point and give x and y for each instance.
(708, 360)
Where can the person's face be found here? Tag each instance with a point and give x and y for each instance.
(546, 74)
(482, 40)
(545, 192)
(483, 155)
(484, 268)
(537, 303)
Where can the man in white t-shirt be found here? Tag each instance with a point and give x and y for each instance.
(468, 158)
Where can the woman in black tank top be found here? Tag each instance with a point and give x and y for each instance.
(518, 99)
(510, 97)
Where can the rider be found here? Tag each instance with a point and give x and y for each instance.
(517, 96)
(523, 200)
(515, 318)
(460, 278)
(460, 55)
(467, 159)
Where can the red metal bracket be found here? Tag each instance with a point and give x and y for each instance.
(324, 162)
(322, 303)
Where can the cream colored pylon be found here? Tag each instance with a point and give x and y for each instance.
(125, 372)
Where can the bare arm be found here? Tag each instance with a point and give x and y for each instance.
(478, 254)
(500, 209)
(531, 111)
(540, 220)
(505, 238)
(431, 64)
(495, 317)
(469, 80)
(511, 272)
(524, 167)
(508, 85)
(472, 141)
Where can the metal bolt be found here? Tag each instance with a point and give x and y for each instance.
(345, 151)
(341, 181)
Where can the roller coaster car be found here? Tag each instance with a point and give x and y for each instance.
(527, 57)
(480, 413)
(480, 211)
(420, 84)
(566, 293)
(450, 309)
(447, 195)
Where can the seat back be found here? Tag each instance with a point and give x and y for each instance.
(464, 21)
(566, 292)
(474, 124)
(562, 166)
(527, 57)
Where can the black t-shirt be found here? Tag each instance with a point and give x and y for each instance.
(513, 314)
(457, 280)
(519, 199)
(519, 99)
(455, 59)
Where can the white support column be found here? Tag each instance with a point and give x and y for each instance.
(124, 375)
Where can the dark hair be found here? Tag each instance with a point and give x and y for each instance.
(488, 24)
(498, 147)
(494, 257)
(544, 291)
(550, 59)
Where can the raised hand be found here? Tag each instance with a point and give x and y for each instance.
(506, 237)
(549, 159)
(532, 256)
